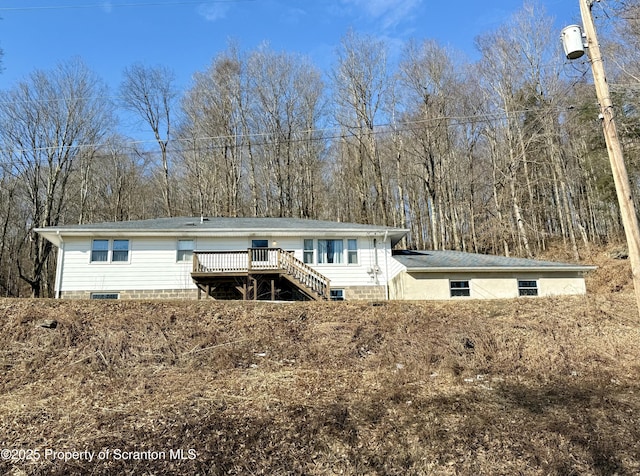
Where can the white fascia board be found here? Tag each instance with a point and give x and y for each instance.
(54, 234)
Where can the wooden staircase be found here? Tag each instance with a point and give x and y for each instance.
(249, 268)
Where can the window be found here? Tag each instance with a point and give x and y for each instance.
(106, 251)
(100, 250)
(352, 251)
(120, 251)
(527, 287)
(185, 250)
(330, 251)
(459, 288)
(337, 294)
(105, 296)
(307, 253)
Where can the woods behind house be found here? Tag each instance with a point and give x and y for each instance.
(503, 154)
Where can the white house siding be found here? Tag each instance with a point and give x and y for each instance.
(341, 275)
(394, 267)
(435, 286)
(152, 265)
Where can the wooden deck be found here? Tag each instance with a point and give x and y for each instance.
(252, 270)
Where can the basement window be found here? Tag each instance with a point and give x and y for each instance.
(105, 296)
(337, 294)
(459, 288)
(527, 287)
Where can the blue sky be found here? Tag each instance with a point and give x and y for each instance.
(185, 35)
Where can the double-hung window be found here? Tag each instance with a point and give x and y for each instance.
(185, 250)
(330, 251)
(307, 252)
(100, 251)
(352, 251)
(120, 251)
(110, 251)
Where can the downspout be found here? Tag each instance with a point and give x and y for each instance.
(386, 264)
(58, 284)
(375, 262)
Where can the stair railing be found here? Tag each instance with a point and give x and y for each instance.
(304, 273)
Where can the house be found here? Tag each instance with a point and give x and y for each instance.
(283, 259)
(234, 258)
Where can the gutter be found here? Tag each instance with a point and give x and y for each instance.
(520, 269)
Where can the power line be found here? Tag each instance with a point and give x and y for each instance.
(334, 132)
(117, 5)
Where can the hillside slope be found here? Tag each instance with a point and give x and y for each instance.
(528, 386)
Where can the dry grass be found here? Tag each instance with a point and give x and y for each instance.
(529, 386)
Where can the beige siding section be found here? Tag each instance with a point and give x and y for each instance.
(435, 286)
(558, 286)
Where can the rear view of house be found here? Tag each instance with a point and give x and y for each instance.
(284, 259)
(228, 258)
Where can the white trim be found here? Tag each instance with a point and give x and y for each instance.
(52, 233)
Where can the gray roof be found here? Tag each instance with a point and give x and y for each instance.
(434, 261)
(220, 226)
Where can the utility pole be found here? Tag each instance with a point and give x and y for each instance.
(620, 176)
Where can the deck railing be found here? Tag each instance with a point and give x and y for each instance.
(206, 262)
(260, 259)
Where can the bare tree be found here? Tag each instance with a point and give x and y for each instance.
(149, 92)
(430, 86)
(285, 110)
(360, 83)
(212, 137)
(46, 123)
